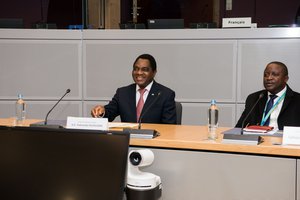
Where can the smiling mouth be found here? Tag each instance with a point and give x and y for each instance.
(269, 84)
(139, 78)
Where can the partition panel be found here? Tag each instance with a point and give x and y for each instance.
(197, 114)
(254, 55)
(189, 67)
(39, 109)
(40, 69)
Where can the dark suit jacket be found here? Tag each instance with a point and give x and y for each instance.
(124, 104)
(288, 116)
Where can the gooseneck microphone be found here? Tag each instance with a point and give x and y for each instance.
(147, 109)
(144, 133)
(235, 138)
(46, 119)
(261, 95)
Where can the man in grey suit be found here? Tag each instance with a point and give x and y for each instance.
(285, 107)
(158, 101)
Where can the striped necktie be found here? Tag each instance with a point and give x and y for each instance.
(269, 107)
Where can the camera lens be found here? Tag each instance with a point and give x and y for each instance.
(135, 158)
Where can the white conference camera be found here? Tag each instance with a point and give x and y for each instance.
(141, 158)
(142, 185)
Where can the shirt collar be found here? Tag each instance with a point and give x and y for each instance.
(279, 93)
(148, 87)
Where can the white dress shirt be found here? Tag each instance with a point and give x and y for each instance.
(145, 94)
(274, 115)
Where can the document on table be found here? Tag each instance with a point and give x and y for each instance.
(121, 125)
(237, 131)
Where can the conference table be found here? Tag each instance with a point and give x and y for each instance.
(193, 167)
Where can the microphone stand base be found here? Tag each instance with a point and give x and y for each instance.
(242, 139)
(53, 126)
(142, 133)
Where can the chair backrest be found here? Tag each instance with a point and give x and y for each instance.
(178, 112)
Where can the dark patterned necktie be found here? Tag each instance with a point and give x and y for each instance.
(269, 107)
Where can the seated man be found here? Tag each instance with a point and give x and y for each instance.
(278, 105)
(128, 102)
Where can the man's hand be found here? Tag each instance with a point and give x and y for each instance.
(98, 111)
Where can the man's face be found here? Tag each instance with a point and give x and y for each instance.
(142, 73)
(274, 78)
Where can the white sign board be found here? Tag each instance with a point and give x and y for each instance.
(87, 123)
(291, 135)
(240, 22)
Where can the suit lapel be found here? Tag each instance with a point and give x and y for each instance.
(151, 96)
(132, 101)
(261, 105)
(287, 99)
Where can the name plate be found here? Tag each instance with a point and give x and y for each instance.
(240, 22)
(291, 135)
(87, 123)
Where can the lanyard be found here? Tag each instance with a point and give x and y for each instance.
(265, 117)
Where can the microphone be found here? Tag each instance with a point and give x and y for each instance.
(144, 133)
(45, 124)
(147, 109)
(46, 119)
(241, 138)
(261, 95)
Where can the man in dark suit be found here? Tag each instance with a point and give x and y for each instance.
(158, 101)
(286, 104)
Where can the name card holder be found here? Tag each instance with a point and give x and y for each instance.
(87, 123)
(240, 22)
(291, 135)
